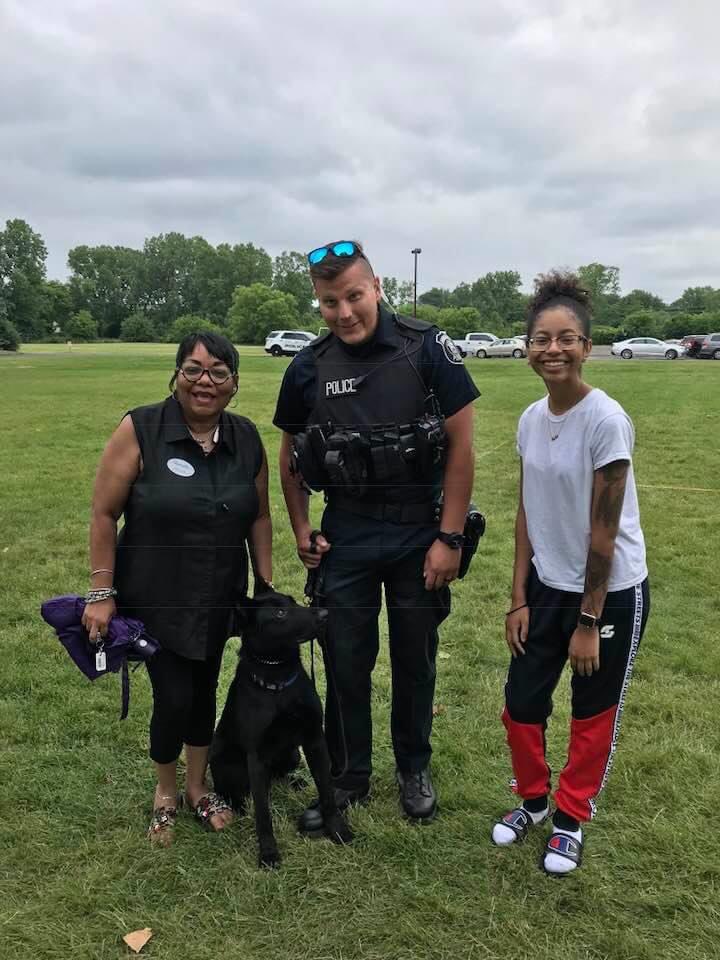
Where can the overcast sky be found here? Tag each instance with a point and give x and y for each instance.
(514, 135)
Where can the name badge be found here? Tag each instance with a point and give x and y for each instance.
(181, 468)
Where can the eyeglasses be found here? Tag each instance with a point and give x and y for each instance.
(194, 371)
(566, 340)
(345, 248)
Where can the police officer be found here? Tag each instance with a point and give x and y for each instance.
(377, 413)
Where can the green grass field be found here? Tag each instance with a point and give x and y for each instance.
(76, 872)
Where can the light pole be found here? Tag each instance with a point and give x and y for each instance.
(415, 251)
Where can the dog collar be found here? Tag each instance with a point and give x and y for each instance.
(276, 686)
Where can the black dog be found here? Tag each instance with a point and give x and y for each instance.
(272, 708)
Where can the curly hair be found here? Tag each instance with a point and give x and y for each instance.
(560, 289)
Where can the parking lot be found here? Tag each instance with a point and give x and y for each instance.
(603, 353)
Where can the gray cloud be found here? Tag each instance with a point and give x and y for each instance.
(520, 135)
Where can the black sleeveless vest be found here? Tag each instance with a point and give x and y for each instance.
(181, 562)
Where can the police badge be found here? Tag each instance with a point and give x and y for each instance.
(449, 347)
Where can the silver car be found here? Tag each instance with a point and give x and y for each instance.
(507, 347)
(646, 347)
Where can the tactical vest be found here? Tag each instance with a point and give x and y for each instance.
(371, 417)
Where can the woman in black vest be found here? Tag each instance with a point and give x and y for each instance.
(191, 482)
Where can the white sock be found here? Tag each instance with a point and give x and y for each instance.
(503, 835)
(557, 864)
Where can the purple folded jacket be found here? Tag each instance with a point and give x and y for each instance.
(126, 640)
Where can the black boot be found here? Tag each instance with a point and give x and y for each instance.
(417, 795)
(310, 821)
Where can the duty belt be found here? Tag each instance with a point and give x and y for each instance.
(394, 512)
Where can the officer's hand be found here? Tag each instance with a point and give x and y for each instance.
(441, 566)
(310, 554)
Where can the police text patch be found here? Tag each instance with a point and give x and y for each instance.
(338, 388)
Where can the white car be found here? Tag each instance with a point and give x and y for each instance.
(506, 347)
(469, 345)
(646, 347)
(286, 342)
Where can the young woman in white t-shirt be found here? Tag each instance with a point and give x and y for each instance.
(580, 589)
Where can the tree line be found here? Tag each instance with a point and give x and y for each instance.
(176, 284)
(495, 303)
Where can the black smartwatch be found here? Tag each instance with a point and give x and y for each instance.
(587, 620)
(455, 541)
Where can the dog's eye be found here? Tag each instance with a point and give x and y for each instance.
(280, 614)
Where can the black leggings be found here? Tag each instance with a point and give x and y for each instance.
(183, 703)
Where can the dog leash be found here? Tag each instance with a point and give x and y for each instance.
(310, 591)
(313, 590)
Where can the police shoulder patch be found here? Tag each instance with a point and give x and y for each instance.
(449, 347)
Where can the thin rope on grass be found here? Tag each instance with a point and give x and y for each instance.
(658, 486)
(645, 486)
(486, 453)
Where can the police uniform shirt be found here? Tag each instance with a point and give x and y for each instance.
(440, 365)
(182, 561)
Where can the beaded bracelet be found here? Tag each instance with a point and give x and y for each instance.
(102, 593)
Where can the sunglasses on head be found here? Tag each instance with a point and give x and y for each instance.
(345, 248)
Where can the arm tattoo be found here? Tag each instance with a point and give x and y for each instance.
(608, 506)
(597, 571)
(617, 470)
(608, 496)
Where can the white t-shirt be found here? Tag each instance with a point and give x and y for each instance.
(557, 489)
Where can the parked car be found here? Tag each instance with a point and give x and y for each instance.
(692, 343)
(468, 346)
(507, 347)
(281, 342)
(710, 347)
(646, 347)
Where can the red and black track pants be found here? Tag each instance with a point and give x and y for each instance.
(597, 700)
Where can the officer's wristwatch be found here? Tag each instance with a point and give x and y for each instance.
(453, 540)
(587, 620)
